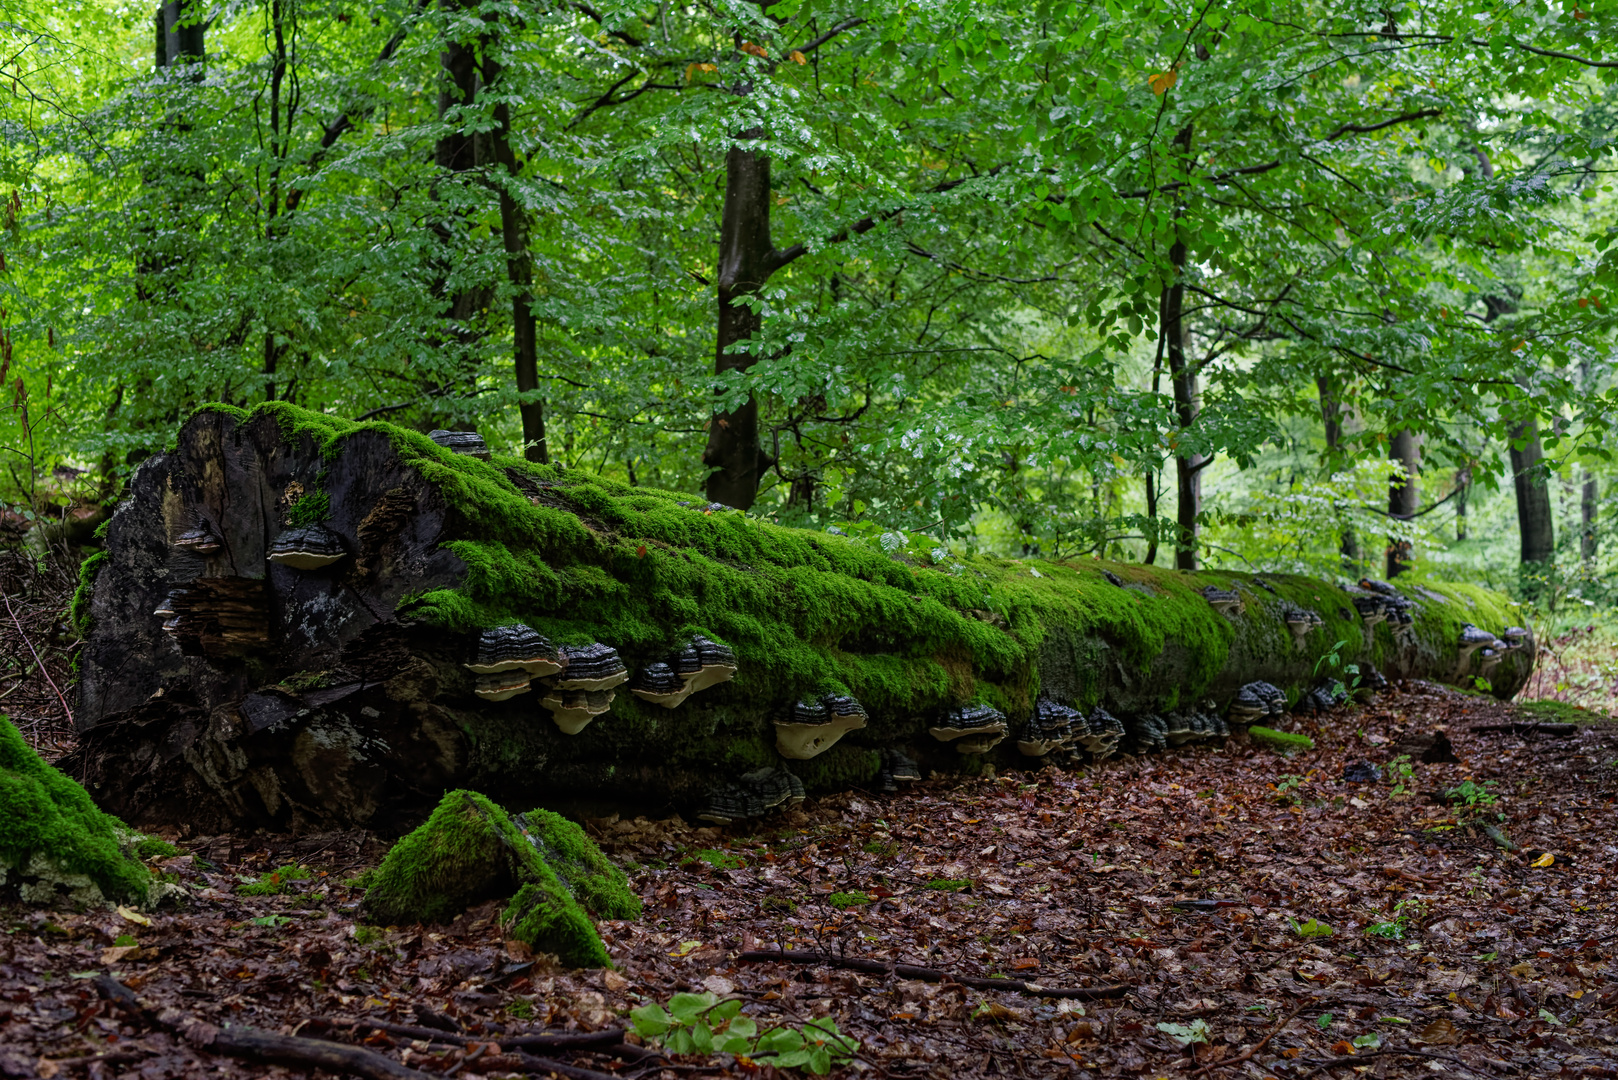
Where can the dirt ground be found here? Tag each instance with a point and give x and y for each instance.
(1266, 916)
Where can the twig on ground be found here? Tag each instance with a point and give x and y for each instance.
(1247, 1054)
(26, 640)
(910, 971)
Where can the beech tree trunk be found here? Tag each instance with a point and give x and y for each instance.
(1589, 497)
(1331, 415)
(1535, 525)
(747, 258)
(1404, 496)
(281, 623)
(1187, 401)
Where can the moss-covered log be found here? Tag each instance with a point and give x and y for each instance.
(303, 622)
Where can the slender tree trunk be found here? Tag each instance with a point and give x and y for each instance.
(1404, 496)
(1463, 491)
(180, 28)
(1534, 522)
(1183, 379)
(514, 227)
(1331, 415)
(1151, 514)
(746, 260)
(1589, 496)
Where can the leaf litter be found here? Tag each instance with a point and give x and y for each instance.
(1268, 917)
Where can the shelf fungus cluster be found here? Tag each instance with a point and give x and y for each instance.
(200, 539)
(1255, 702)
(700, 663)
(896, 769)
(507, 658)
(1227, 602)
(1152, 731)
(1489, 649)
(811, 726)
(585, 687)
(1377, 601)
(971, 729)
(1054, 728)
(1301, 621)
(752, 795)
(308, 547)
(469, 443)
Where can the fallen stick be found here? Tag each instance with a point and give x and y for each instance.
(1247, 1054)
(1532, 728)
(252, 1044)
(910, 971)
(605, 1040)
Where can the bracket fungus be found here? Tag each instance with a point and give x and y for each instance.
(1051, 726)
(971, 729)
(658, 684)
(591, 667)
(469, 443)
(1300, 621)
(1255, 701)
(752, 795)
(812, 726)
(1516, 637)
(1225, 601)
(1472, 639)
(502, 685)
(514, 647)
(574, 709)
(199, 540)
(165, 607)
(1104, 732)
(700, 663)
(896, 769)
(309, 547)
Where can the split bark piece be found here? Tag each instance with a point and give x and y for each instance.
(925, 974)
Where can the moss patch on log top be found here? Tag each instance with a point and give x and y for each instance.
(470, 850)
(54, 843)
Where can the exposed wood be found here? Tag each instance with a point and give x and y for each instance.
(926, 974)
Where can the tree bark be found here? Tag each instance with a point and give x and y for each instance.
(1187, 400)
(1404, 496)
(1331, 415)
(514, 226)
(1463, 491)
(1535, 525)
(747, 258)
(221, 687)
(1589, 497)
(180, 33)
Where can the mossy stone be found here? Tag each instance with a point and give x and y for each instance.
(470, 850)
(54, 841)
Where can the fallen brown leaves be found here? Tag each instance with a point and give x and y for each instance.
(1188, 875)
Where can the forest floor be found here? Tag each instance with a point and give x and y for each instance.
(1264, 916)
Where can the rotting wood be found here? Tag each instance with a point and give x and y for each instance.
(926, 974)
(1531, 728)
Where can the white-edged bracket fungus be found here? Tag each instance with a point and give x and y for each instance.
(897, 769)
(199, 540)
(751, 795)
(1051, 726)
(514, 647)
(1103, 731)
(165, 608)
(469, 443)
(591, 667)
(658, 684)
(813, 725)
(574, 709)
(1255, 701)
(700, 663)
(1227, 602)
(502, 685)
(1300, 621)
(971, 729)
(310, 547)
(1472, 639)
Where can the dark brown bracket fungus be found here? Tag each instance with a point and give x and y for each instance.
(813, 726)
(1227, 602)
(752, 795)
(469, 443)
(1051, 726)
(1472, 639)
(700, 663)
(1256, 701)
(971, 729)
(658, 684)
(512, 648)
(1300, 621)
(307, 548)
(1104, 733)
(199, 540)
(502, 685)
(591, 667)
(896, 769)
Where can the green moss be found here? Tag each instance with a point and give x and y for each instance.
(719, 860)
(368, 935)
(843, 766)
(78, 610)
(1560, 712)
(151, 847)
(275, 882)
(1286, 742)
(49, 827)
(470, 851)
(845, 900)
(312, 508)
(949, 885)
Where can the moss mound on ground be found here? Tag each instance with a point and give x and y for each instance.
(54, 842)
(470, 850)
(1283, 741)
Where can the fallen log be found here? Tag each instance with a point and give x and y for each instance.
(302, 623)
(927, 974)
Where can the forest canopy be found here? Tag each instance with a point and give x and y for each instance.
(1266, 285)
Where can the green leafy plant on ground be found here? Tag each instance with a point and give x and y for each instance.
(704, 1024)
(1309, 928)
(719, 860)
(1397, 927)
(1472, 800)
(1403, 773)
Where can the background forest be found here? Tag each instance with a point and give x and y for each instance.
(1269, 286)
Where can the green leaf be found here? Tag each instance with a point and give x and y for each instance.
(650, 1020)
(1185, 1034)
(687, 1007)
(745, 1026)
(1325, 1021)
(819, 1061)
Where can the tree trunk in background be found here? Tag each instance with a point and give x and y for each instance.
(1183, 378)
(514, 226)
(1534, 523)
(1331, 415)
(1587, 516)
(1463, 491)
(179, 33)
(747, 258)
(1404, 496)
(1151, 514)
